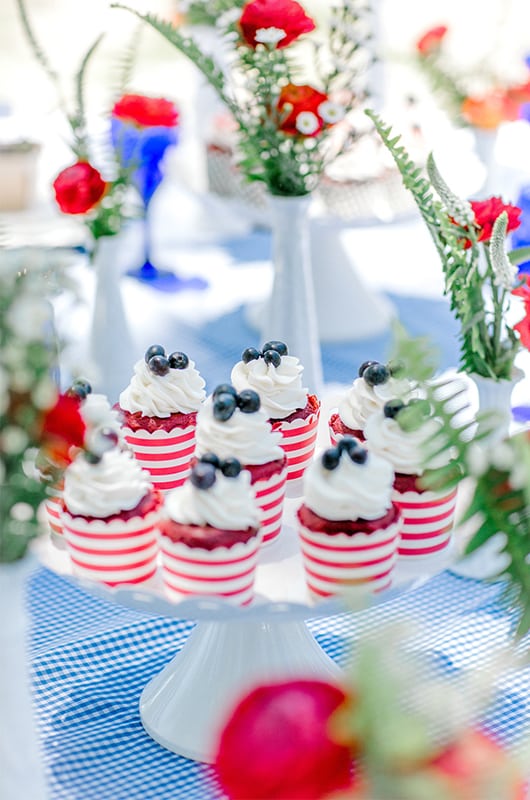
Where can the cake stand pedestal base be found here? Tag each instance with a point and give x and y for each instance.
(185, 706)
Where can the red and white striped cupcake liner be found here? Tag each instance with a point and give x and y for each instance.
(121, 551)
(166, 455)
(427, 521)
(298, 443)
(338, 561)
(270, 495)
(54, 506)
(227, 572)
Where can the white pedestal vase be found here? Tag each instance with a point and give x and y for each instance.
(485, 146)
(21, 774)
(495, 396)
(290, 312)
(111, 348)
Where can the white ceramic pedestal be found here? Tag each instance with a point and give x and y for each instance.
(185, 706)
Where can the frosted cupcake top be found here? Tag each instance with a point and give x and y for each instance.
(405, 449)
(233, 424)
(212, 498)
(115, 483)
(275, 376)
(369, 393)
(97, 413)
(163, 385)
(349, 483)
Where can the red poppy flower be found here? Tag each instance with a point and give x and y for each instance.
(523, 290)
(523, 329)
(431, 40)
(145, 111)
(491, 110)
(276, 744)
(62, 427)
(78, 188)
(487, 211)
(285, 15)
(295, 100)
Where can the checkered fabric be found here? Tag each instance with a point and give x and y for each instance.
(91, 660)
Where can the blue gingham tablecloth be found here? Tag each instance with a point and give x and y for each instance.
(91, 660)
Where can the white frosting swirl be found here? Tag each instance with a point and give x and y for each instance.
(229, 504)
(117, 483)
(280, 388)
(363, 400)
(97, 413)
(351, 491)
(404, 449)
(181, 390)
(247, 437)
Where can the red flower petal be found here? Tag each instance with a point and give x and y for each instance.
(146, 111)
(487, 211)
(78, 188)
(62, 428)
(287, 15)
(294, 99)
(431, 39)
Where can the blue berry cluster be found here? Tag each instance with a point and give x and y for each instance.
(226, 400)
(203, 472)
(375, 373)
(80, 388)
(104, 439)
(357, 453)
(159, 363)
(271, 353)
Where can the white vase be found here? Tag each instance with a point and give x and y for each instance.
(290, 312)
(111, 345)
(485, 146)
(495, 396)
(21, 773)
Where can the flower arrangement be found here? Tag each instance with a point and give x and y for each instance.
(476, 98)
(394, 730)
(285, 126)
(479, 274)
(32, 413)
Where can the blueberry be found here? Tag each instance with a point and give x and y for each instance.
(248, 401)
(83, 385)
(331, 458)
(154, 350)
(210, 458)
(250, 354)
(348, 444)
(224, 406)
(376, 374)
(178, 360)
(202, 475)
(392, 408)
(280, 347)
(159, 365)
(77, 391)
(224, 388)
(92, 458)
(359, 455)
(272, 357)
(364, 365)
(230, 467)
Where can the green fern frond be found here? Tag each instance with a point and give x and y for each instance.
(78, 121)
(126, 62)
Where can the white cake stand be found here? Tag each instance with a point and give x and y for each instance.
(233, 649)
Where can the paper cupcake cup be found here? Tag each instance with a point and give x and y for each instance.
(298, 443)
(121, 551)
(165, 455)
(334, 562)
(427, 521)
(54, 507)
(336, 436)
(227, 572)
(270, 495)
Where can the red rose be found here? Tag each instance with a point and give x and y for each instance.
(146, 111)
(487, 211)
(431, 40)
(276, 744)
(295, 100)
(285, 15)
(78, 188)
(62, 427)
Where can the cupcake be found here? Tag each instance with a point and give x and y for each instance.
(97, 414)
(369, 392)
(159, 415)
(110, 514)
(232, 424)
(348, 524)
(210, 535)
(277, 378)
(427, 516)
